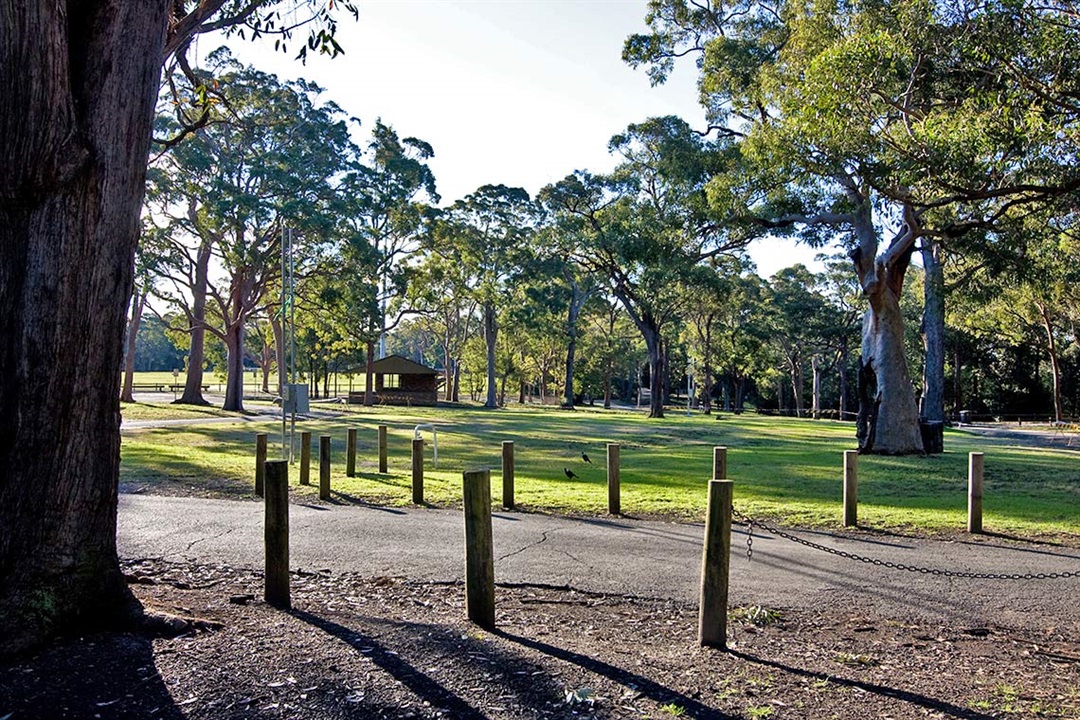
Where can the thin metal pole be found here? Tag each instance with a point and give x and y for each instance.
(292, 333)
(284, 454)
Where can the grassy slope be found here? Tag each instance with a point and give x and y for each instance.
(785, 469)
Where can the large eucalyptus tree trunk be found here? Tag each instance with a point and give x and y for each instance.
(78, 82)
(234, 364)
(933, 332)
(138, 302)
(578, 297)
(1055, 361)
(240, 291)
(491, 334)
(888, 421)
(655, 349)
(193, 382)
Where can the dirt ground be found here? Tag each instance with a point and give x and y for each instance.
(391, 648)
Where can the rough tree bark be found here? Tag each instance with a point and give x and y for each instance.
(888, 421)
(243, 295)
(1055, 361)
(79, 82)
(234, 363)
(933, 332)
(578, 296)
(193, 382)
(654, 346)
(138, 303)
(491, 334)
(369, 375)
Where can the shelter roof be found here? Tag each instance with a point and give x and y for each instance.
(397, 365)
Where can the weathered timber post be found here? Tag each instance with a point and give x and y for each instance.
(715, 566)
(382, 449)
(479, 553)
(276, 534)
(260, 463)
(324, 467)
(418, 471)
(350, 453)
(719, 463)
(508, 474)
(975, 492)
(851, 488)
(614, 503)
(305, 458)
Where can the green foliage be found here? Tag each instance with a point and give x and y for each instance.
(153, 348)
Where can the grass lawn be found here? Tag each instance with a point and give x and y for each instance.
(787, 470)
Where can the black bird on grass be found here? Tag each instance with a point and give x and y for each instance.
(585, 457)
(570, 474)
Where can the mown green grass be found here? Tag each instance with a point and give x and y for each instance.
(785, 469)
(159, 411)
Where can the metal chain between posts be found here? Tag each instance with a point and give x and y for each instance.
(750, 523)
(749, 539)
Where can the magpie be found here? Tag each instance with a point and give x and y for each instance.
(585, 457)
(570, 474)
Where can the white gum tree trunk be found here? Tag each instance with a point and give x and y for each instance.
(888, 421)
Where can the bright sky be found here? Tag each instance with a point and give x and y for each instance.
(518, 92)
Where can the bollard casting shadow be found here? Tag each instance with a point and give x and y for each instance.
(521, 678)
(649, 688)
(907, 696)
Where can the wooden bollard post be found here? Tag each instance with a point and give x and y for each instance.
(975, 492)
(382, 449)
(276, 534)
(851, 488)
(614, 504)
(260, 464)
(324, 467)
(715, 566)
(719, 463)
(418, 471)
(508, 474)
(305, 458)
(350, 453)
(479, 553)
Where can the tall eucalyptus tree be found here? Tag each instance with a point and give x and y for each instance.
(79, 82)
(646, 229)
(267, 163)
(487, 233)
(918, 120)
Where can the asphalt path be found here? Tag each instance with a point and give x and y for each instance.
(628, 557)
